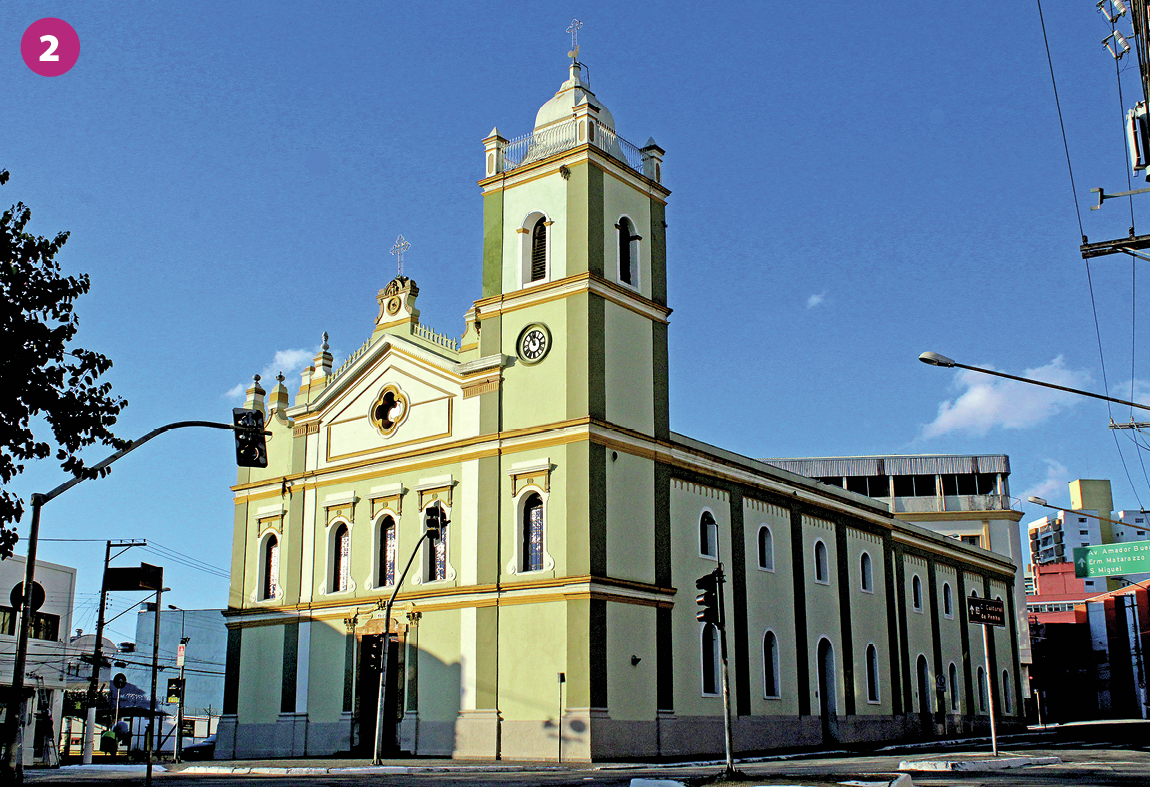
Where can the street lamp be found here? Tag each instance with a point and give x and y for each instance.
(934, 359)
(178, 746)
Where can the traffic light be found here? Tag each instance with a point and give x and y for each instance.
(249, 431)
(708, 598)
(175, 690)
(435, 522)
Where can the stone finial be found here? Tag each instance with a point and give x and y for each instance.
(255, 396)
(323, 360)
(278, 400)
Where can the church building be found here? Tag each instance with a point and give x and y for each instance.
(552, 615)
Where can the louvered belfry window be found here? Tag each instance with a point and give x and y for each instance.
(539, 251)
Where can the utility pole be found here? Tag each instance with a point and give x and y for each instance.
(98, 650)
(181, 656)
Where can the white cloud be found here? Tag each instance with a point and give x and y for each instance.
(817, 299)
(988, 402)
(1057, 477)
(286, 361)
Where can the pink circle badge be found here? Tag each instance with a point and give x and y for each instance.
(50, 47)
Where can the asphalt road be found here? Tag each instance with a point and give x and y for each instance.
(1103, 754)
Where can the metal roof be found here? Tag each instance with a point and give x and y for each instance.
(908, 464)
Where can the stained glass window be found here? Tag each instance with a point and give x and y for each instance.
(387, 552)
(271, 567)
(533, 533)
(342, 549)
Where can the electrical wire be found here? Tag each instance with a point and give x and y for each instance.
(1058, 106)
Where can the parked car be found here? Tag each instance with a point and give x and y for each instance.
(204, 750)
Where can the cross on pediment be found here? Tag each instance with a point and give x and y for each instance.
(398, 249)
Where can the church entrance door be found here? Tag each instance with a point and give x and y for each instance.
(367, 695)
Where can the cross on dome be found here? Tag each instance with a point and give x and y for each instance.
(573, 29)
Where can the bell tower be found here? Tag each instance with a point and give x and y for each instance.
(574, 267)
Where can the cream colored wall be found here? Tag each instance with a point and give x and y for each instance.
(261, 672)
(325, 670)
(620, 199)
(822, 609)
(1002, 647)
(950, 631)
(687, 504)
(629, 372)
(631, 687)
(549, 196)
(770, 605)
(919, 628)
(534, 394)
(529, 665)
(630, 517)
(868, 622)
(437, 636)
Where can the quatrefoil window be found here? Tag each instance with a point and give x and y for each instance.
(389, 410)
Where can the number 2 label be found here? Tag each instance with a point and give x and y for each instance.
(48, 56)
(50, 47)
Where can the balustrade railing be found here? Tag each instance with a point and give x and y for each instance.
(443, 340)
(564, 136)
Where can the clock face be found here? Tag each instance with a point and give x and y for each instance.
(534, 343)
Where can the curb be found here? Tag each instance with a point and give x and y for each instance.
(993, 764)
(887, 780)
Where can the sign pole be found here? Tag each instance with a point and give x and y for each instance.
(989, 687)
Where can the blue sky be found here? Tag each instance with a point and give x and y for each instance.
(852, 184)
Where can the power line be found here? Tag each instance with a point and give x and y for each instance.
(1058, 106)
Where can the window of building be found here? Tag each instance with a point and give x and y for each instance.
(770, 665)
(947, 601)
(766, 549)
(433, 516)
(539, 250)
(869, 485)
(1083, 532)
(532, 547)
(916, 593)
(386, 557)
(1006, 692)
(831, 480)
(871, 674)
(866, 572)
(708, 535)
(953, 687)
(1081, 519)
(914, 486)
(981, 690)
(973, 540)
(8, 621)
(628, 252)
(341, 555)
(270, 568)
(822, 569)
(45, 626)
(710, 659)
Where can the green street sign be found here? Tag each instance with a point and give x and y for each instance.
(1132, 557)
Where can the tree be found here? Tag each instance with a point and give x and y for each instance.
(44, 379)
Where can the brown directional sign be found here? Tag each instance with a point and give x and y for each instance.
(986, 610)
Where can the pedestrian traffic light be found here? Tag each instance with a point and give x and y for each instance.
(248, 426)
(708, 599)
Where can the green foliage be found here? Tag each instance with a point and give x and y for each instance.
(43, 376)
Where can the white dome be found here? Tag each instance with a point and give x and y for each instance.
(571, 94)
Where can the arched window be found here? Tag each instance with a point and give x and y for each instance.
(710, 662)
(435, 516)
(539, 250)
(532, 547)
(628, 252)
(341, 552)
(916, 593)
(708, 535)
(871, 673)
(953, 687)
(822, 570)
(981, 690)
(766, 549)
(770, 665)
(947, 601)
(867, 573)
(1006, 692)
(271, 568)
(386, 560)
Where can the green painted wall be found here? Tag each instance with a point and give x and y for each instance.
(261, 664)
(326, 670)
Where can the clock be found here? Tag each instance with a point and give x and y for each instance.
(534, 342)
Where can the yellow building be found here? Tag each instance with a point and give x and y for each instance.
(556, 609)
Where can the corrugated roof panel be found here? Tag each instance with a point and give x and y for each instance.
(821, 467)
